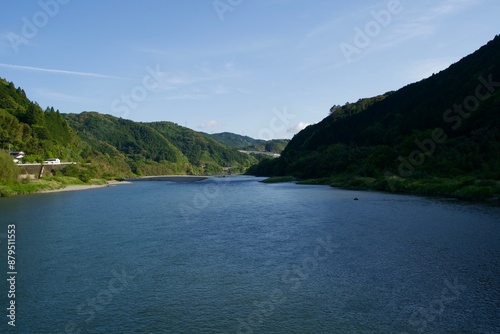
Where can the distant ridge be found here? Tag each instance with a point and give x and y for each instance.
(245, 142)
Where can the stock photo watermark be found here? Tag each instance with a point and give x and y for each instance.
(223, 6)
(292, 279)
(279, 123)
(421, 318)
(102, 299)
(202, 199)
(151, 82)
(31, 26)
(453, 116)
(364, 36)
(11, 274)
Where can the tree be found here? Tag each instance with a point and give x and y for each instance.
(8, 170)
(34, 115)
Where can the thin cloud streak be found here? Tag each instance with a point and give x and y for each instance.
(50, 70)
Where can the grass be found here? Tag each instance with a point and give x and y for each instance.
(463, 188)
(460, 188)
(279, 179)
(26, 186)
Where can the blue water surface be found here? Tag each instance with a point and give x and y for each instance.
(232, 255)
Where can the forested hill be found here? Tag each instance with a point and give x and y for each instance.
(108, 146)
(248, 143)
(159, 148)
(24, 125)
(200, 150)
(445, 126)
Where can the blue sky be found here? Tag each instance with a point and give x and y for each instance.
(262, 68)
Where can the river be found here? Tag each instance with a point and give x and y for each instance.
(232, 255)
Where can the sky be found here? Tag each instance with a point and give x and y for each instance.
(261, 68)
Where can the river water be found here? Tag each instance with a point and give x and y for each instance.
(232, 255)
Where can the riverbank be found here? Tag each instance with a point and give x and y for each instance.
(464, 188)
(52, 184)
(84, 187)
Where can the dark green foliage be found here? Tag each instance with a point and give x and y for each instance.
(233, 140)
(349, 109)
(25, 126)
(273, 145)
(159, 148)
(279, 179)
(85, 173)
(107, 146)
(8, 170)
(200, 149)
(248, 143)
(11, 130)
(126, 136)
(413, 133)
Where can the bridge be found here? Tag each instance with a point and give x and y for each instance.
(272, 154)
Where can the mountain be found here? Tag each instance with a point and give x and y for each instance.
(446, 126)
(107, 146)
(248, 143)
(200, 150)
(158, 148)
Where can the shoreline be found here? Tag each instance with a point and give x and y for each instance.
(82, 187)
(463, 189)
(66, 184)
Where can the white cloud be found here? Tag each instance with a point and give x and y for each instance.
(297, 128)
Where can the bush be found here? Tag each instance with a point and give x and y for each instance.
(84, 173)
(279, 179)
(70, 170)
(8, 169)
(475, 193)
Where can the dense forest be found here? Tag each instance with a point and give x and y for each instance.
(250, 144)
(159, 148)
(440, 135)
(105, 146)
(24, 125)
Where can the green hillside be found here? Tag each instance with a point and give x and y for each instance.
(248, 143)
(103, 146)
(437, 136)
(25, 126)
(159, 148)
(234, 140)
